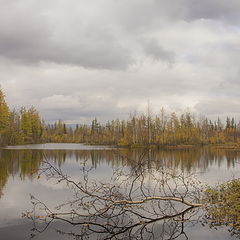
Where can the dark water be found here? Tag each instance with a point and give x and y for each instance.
(19, 168)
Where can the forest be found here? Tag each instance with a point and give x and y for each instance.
(26, 126)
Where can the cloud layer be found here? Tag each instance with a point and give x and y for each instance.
(76, 60)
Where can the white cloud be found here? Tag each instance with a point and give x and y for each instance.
(59, 102)
(79, 59)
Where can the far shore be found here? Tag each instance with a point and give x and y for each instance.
(227, 146)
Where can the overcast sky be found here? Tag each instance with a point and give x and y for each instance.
(75, 59)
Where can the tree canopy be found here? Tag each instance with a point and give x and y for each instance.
(146, 129)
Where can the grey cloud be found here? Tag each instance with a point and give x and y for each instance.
(143, 15)
(84, 109)
(31, 32)
(157, 52)
(83, 116)
(29, 36)
(218, 106)
(214, 9)
(69, 93)
(109, 55)
(52, 55)
(227, 10)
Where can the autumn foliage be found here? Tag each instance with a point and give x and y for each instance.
(163, 129)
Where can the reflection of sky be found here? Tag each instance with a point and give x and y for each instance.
(215, 173)
(16, 197)
(200, 233)
(21, 232)
(62, 146)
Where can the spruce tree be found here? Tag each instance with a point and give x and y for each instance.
(4, 118)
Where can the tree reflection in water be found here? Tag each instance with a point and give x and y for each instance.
(25, 163)
(135, 203)
(153, 164)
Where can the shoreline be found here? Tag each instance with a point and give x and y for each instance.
(227, 146)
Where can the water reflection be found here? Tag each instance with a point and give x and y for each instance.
(130, 203)
(19, 177)
(26, 163)
(173, 227)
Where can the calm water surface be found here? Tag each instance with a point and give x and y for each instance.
(18, 178)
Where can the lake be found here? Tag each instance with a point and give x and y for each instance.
(19, 178)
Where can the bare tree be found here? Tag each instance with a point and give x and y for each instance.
(136, 203)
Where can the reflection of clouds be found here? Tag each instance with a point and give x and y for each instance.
(58, 146)
(20, 230)
(211, 166)
(16, 198)
(218, 174)
(199, 232)
(73, 169)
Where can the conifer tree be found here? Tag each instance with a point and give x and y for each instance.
(4, 117)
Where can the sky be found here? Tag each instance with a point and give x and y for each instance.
(75, 60)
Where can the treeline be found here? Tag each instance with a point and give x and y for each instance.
(146, 129)
(19, 127)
